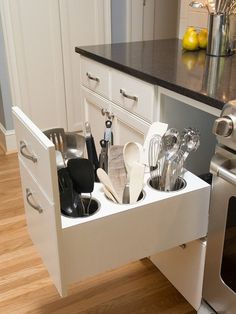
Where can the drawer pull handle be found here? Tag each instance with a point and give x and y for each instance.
(94, 78)
(123, 93)
(36, 207)
(23, 147)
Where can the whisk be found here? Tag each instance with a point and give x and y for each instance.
(216, 6)
(153, 156)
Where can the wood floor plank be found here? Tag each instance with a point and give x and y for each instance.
(25, 287)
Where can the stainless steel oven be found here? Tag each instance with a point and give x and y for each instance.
(219, 287)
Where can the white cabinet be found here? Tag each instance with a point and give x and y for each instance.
(37, 79)
(43, 67)
(125, 127)
(93, 107)
(134, 105)
(76, 248)
(184, 268)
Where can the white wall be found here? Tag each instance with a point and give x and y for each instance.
(191, 17)
(5, 95)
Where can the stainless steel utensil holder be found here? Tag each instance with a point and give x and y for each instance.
(219, 39)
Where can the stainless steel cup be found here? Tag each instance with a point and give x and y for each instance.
(219, 39)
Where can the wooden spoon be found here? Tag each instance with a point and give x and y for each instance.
(105, 180)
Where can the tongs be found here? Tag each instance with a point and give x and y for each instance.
(103, 157)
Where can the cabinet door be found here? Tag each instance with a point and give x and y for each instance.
(93, 105)
(82, 23)
(127, 127)
(37, 56)
(41, 197)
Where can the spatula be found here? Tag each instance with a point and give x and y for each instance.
(81, 171)
(136, 181)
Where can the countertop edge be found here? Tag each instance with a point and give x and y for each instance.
(152, 80)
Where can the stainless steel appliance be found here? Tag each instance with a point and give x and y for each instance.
(219, 288)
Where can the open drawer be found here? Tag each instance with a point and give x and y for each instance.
(115, 234)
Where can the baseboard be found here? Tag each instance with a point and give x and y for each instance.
(7, 140)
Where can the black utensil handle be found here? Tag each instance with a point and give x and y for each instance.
(94, 153)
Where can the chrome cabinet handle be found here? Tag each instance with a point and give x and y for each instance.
(104, 111)
(227, 175)
(36, 207)
(94, 78)
(23, 147)
(123, 93)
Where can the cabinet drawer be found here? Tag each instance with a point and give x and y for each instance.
(115, 234)
(95, 76)
(133, 94)
(184, 268)
(36, 150)
(119, 234)
(44, 225)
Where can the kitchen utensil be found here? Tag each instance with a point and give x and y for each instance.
(109, 195)
(82, 174)
(153, 155)
(60, 160)
(170, 145)
(74, 145)
(105, 180)
(116, 168)
(58, 137)
(136, 181)
(199, 5)
(131, 152)
(69, 199)
(91, 149)
(190, 141)
(70, 144)
(108, 135)
(103, 157)
(157, 128)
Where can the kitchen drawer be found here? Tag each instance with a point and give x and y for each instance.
(183, 266)
(36, 150)
(118, 234)
(115, 234)
(44, 224)
(133, 94)
(95, 76)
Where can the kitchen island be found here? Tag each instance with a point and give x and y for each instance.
(135, 84)
(181, 88)
(210, 80)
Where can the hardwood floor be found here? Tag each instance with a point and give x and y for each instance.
(25, 286)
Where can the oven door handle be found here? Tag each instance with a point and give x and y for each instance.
(227, 175)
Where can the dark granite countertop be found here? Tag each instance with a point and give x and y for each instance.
(211, 80)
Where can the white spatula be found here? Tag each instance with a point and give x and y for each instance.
(158, 128)
(136, 181)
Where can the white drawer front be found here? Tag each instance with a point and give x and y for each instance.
(118, 234)
(95, 76)
(133, 94)
(184, 268)
(44, 225)
(36, 150)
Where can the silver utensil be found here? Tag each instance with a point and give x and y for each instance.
(170, 145)
(153, 156)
